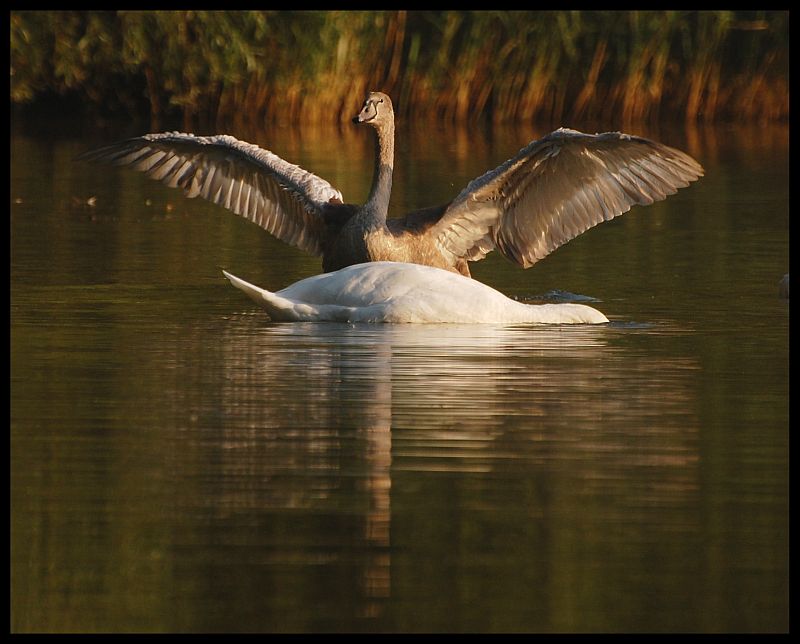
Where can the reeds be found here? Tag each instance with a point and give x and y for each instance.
(217, 69)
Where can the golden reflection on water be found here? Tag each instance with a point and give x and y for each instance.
(176, 467)
(448, 398)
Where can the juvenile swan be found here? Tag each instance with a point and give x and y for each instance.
(402, 292)
(554, 189)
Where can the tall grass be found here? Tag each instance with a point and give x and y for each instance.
(215, 68)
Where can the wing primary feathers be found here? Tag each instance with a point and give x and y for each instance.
(244, 178)
(557, 187)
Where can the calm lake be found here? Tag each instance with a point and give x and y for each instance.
(179, 463)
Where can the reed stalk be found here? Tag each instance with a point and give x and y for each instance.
(211, 69)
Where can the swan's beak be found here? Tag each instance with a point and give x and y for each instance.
(367, 113)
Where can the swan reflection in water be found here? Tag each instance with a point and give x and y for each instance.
(349, 425)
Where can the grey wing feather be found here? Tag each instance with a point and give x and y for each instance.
(280, 197)
(557, 187)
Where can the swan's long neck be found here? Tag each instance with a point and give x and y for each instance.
(377, 206)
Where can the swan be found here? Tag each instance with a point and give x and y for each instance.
(402, 292)
(552, 190)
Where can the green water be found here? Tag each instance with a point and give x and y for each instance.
(179, 463)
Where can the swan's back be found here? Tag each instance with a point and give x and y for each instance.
(379, 282)
(402, 293)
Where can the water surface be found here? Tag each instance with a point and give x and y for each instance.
(180, 463)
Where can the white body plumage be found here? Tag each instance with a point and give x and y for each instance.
(399, 292)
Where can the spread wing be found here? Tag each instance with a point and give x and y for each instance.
(554, 189)
(282, 198)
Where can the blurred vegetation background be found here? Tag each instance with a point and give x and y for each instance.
(208, 70)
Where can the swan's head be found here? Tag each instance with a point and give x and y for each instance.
(376, 111)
